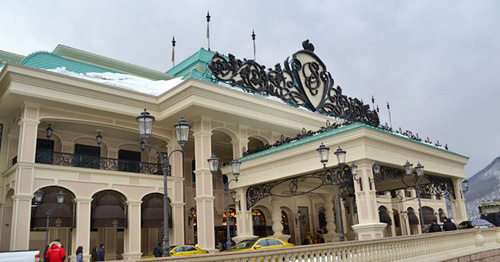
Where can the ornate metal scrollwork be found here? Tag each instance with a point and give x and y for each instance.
(304, 81)
(340, 176)
(429, 184)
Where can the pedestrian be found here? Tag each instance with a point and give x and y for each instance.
(56, 252)
(448, 225)
(434, 227)
(318, 237)
(93, 255)
(158, 250)
(79, 254)
(100, 253)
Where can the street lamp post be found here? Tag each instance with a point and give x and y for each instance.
(38, 199)
(213, 162)
(146, 121)
(341, 154)
(420, 173)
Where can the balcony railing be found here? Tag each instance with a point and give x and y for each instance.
(89, 161)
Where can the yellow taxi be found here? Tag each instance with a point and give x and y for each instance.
(186, 250)
(261, 243)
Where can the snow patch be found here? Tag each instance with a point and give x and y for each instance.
(128, 82)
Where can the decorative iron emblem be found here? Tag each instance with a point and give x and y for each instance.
(304, 81)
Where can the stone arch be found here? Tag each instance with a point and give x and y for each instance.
(288, 214)
(256, 142)
(226, 131)
(108, 209)
(61, 214)
(222, 144)
(428, 214)
(384, 215)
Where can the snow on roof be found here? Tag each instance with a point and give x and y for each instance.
(129, 82)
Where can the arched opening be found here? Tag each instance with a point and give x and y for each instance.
(384, 217)
(52, 218)
(221, 231)
(397, 222)
(7, 221)
(255, 144)
(413, 221)
(428, 214)
(259, 223)
(108, 221)
(152, 230)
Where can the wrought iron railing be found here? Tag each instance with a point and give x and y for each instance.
(94, 162)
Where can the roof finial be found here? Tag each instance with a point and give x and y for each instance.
(173, 51)
(254, 50)
(389, 111)
(208, 29)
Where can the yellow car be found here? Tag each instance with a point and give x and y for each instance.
(261, 243)
(186, 250)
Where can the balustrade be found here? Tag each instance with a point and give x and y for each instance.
(94, 162)
(426, 247)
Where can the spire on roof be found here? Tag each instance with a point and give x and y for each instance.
(254, 50)
(173, 51)
(208, 29)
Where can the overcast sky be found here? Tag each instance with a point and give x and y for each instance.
(436, 62)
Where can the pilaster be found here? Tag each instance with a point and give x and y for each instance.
(81, 234)
(20, 227)
(458, 203)
(132, 234)
(243, 217)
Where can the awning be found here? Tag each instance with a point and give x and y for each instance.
(385, 218)
(412, 218)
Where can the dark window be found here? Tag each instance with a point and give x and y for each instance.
(407, 193)
(188, 248)
(44, 151)
(129, 161)
(87, 156)
(262, 243)
(274, 242)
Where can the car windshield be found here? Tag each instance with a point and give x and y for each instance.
(245, 244)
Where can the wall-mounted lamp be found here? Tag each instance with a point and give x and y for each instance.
(98, 138)
(49, 132)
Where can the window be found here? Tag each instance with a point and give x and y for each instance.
(262, 243)
(407, 193)
(44, 151)
(188, 248)
(274, 242)
(129, 161)
(87, 156)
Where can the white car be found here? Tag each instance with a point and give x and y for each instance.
(20, 256)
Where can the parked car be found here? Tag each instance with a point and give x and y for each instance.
(478, 223)
(261, 243)
(186, 250)
(21, 256)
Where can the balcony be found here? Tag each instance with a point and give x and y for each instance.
(89, 161)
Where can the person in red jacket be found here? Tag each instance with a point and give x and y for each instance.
(56, 252)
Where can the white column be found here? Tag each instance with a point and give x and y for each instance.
(132, 238)
(177, 197)
(331, 236)
(204, 186)
(369, 226)
(458, 203)
(243, 217)
(23, 192)
(81, 233)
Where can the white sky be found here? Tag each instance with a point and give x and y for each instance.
(436, 62)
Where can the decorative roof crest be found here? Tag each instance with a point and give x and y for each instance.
(304, 81)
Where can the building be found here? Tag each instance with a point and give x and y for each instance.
(69, 129)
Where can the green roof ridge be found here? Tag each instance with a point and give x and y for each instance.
(47, 60)
(10, 57)
(202, 56)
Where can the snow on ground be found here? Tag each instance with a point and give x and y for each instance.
(129, 82)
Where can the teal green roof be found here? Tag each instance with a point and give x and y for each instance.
(46, 60)
(202, 57)
(10, 57)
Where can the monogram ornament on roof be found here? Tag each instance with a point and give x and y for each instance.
(304, 81)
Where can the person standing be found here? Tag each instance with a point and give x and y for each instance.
(93, 255)
(56, 252)
(79, 254)
(434, 227)
(158, 250)
(100, 253)
(448, 225)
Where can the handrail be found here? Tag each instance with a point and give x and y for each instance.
(425, 247)
(89, 161)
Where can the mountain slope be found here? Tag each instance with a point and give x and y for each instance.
(483, 187)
